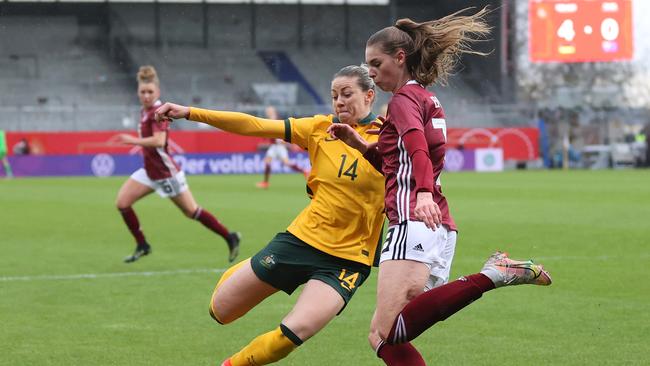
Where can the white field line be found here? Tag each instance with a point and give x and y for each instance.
(92, 276)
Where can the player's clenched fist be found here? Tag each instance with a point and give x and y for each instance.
(170, 111)
(348, 135)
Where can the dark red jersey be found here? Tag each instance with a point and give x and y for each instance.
(157, 161)
(412, 146)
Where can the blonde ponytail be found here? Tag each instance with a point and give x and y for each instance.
(147, 74)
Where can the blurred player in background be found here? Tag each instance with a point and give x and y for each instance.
(277, 150)
(160, 173)
(404, 59)
(22, 147)
(3, 155)
(331, 245)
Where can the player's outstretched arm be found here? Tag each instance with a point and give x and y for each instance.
(235, 122)
(157, 140)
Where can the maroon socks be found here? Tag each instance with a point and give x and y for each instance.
(437, 305)
(132, 222)
(211, 222)
(295, 168)
(400, 355)
(267, 172)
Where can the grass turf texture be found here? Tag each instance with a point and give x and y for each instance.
(589, 228)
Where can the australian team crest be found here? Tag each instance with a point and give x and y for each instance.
(268, 261)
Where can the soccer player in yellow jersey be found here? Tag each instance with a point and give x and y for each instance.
(331, 245)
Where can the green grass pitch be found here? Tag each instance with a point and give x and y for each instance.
(66, 298)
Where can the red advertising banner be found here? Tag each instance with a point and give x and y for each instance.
(94, 142)
(580, 30)
(519, 143)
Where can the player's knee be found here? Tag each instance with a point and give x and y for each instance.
(371, 339)
(121, 203)
(213, 315)
(375, 337)
(218, 313)
(221, 309)
(413, 291)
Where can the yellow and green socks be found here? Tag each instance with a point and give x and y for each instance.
(267, 348)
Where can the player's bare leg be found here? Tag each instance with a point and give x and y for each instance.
(7, 167)
(399, 282)
(317, 305)
(296, 168)
(267, 174)
(239, 291)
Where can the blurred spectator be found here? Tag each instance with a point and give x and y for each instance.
(22, 147)
(573, 157)
(646, 132)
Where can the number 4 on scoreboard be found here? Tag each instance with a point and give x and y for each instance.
(566, 30)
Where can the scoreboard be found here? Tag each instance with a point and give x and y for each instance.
(580, 30)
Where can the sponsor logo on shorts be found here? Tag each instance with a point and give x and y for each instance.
(418, 248)
(268, 261)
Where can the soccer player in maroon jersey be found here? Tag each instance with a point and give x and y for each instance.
(160, 173)
(412, 293)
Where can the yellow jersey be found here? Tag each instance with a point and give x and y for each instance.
(346, 213)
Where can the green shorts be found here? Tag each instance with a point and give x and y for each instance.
(288, 262)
